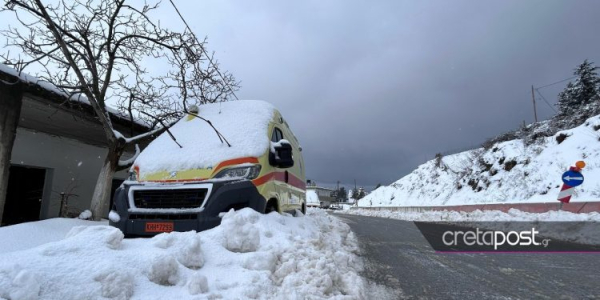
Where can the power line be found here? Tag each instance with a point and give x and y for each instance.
(547, 85)
(203, 50)
(546, 101)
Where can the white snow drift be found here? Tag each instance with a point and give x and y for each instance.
(508, 172)
(250, 256)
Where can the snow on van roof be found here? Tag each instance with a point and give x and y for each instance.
(243, 123)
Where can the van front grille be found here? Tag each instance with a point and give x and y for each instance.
(163, 216)
(178, 198)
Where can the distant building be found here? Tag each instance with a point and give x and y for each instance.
(312, 199)
(326, 195)
(57, 154)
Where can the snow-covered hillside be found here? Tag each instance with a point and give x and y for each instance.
(249, 256)
(507, 172)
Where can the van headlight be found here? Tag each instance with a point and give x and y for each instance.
(246, 172)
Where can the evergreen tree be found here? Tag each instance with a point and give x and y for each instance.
(342, 194)
(577, 96)
(361, 193)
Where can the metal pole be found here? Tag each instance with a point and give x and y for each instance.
(534, 109)
(62, 205)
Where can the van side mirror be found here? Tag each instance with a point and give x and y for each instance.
(280, 155)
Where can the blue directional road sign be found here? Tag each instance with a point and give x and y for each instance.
(572, 178)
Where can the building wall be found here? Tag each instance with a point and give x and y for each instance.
(70, 165)
(324, 194)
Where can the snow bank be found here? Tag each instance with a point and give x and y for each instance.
(250, 256)
(508, 172)
(243, 123)
(32, 234)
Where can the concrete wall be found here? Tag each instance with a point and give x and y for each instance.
(72, 167)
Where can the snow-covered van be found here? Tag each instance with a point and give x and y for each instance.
(185, 182)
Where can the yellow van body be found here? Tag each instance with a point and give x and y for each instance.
(162, 192)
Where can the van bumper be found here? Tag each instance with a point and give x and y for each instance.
(224, 196)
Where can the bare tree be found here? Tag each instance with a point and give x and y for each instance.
(109, 52)
(10, 109)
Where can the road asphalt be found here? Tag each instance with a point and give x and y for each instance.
(399, 258)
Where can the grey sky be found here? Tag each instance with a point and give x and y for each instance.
(374, 88)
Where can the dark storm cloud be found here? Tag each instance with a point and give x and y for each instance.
(374, 88)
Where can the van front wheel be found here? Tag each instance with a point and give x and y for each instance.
(304, 208)
(271, 206)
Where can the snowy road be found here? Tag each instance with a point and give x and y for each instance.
(397, 256)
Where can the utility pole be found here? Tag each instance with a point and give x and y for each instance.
(534, 109)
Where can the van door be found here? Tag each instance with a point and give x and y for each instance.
(280, 177)
(296, 193)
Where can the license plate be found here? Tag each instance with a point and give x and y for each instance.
(159, 226)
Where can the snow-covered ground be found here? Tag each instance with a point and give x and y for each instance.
(249, 256)
(29, 235)
(508, 172)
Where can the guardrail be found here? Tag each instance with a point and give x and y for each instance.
(574, 207)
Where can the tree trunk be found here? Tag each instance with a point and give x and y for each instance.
(11, 99)
(102, 190)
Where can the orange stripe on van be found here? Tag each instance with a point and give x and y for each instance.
(263, 179)
(236, 161)
(280, 176)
